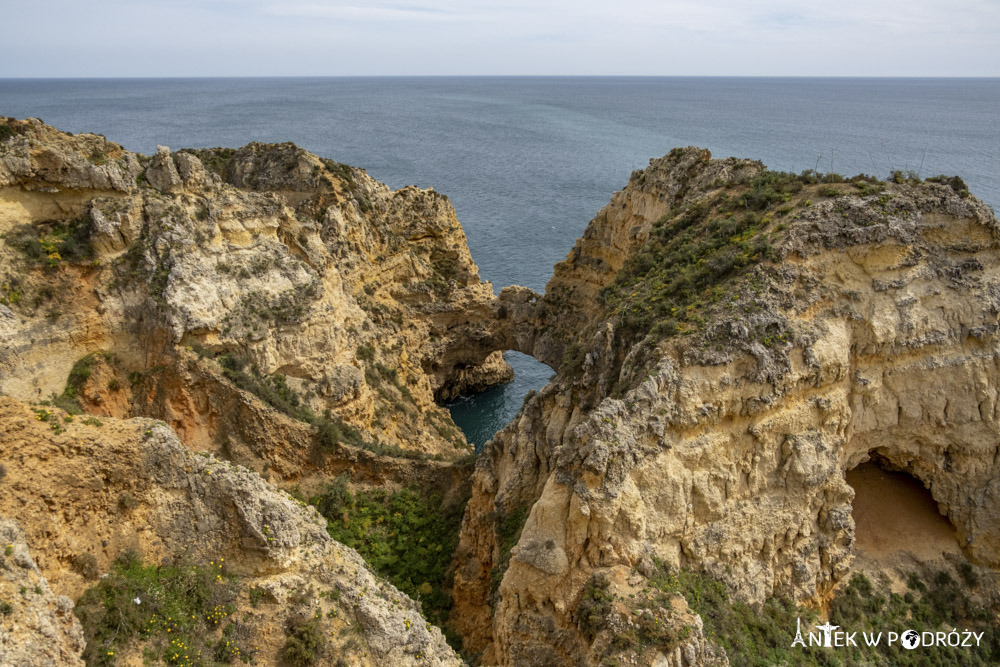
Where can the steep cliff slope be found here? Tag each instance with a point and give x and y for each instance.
(160, 534)
(729, 343)
(279, 311)
(342, 303)
(37, 627)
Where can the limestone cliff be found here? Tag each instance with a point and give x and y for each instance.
(86, 490)
(330, 293)
(730, 342)
(37, 627)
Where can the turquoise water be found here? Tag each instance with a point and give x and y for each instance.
(528, 161)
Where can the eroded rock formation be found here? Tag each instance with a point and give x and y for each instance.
(89, 490)
(729, 343)
(365, 301)
(845, 321)
(37, 627)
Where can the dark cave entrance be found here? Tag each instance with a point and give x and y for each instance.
(894, 513)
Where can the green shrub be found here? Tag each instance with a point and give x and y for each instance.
(908, 177)
(50, 243)
(256, 595)
(304, 641)
(595, 607)
(955, 182)
(941, 605)
(762, 635)
(216, 160)
(407, 536)
(69, 400)
(6, 131)
(127, 502)
(85, 565)
(366, 352)
(176, 618)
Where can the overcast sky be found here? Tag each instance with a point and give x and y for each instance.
(44, 38)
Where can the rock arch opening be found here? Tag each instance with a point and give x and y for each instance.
(896, 515)
(481, 415)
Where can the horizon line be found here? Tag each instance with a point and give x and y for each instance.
(489, 76)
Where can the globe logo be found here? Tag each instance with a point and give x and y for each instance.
(910, 639)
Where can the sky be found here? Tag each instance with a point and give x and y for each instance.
(153, 38)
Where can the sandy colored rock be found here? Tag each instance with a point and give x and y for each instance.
(365, 301)
(37, 626)
(873, 333)
(187, 508)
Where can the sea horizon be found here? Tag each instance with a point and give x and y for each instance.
(180, 77)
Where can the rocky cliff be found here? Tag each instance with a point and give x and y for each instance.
(97, 498)
(730, 342)
(279, 311)
(327, 291)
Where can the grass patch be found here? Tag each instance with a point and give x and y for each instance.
(663, 287)
(407, 536)
(702, 259)
(177, 617)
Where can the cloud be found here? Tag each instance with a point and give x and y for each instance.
(366, 12)
(650, 37)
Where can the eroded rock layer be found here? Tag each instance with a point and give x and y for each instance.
(342, 296)
(86, 491)
(706, 416)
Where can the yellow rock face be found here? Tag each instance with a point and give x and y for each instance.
(725, 449)
(362, 299)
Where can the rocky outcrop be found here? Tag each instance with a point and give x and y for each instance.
(132, 486)
(37, 627)
(708, 425)
(360, 302)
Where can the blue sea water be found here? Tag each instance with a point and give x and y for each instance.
(528, 161)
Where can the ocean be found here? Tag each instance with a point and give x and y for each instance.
(528, 161)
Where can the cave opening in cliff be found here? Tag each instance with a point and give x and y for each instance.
(895, 513)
